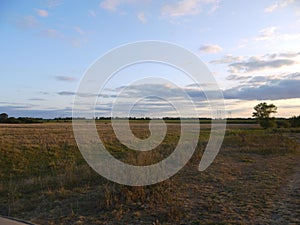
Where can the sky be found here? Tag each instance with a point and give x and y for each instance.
(251, 47)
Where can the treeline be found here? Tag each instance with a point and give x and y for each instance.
(5, 119)
(293, 122)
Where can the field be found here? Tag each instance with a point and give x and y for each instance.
(255, 179)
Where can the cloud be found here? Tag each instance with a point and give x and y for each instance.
(270, 33)
(279, 5)
(230, 59)
(24, 111)
(27, 22)
(187, 7)
(14, 109)
(165, 91)
(92, 13)
(227, 59)
(65, 78)
(110, 5)
(42, 12)
(141, 16)
(67, 93)
(211, 48)
(72, 93)
(238, 77)
(36, 99)
(282, 55)
(256, 64)
(181, 8)
(266, 34)
(288, 54)
(258, 79)
(254, 88)
(293, 76)
(79, 30)
(272, 90)
(52, 33)
(113, 5)
(54, 3)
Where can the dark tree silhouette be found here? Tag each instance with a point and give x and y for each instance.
(262, 114)
(3, 117)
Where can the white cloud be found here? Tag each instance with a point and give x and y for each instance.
(52, 33)
(42, 12)
(92, 13)
(211, 48)
(279, 5)
(54, 3)
(110, 5)
(187, 7)
(270, 33)
(227, 59)
(142, 17)
(113, 5)
(266, 34)
(79, 30)
(271, 8)
(184, 7)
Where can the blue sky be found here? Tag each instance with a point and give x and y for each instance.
(251, 47)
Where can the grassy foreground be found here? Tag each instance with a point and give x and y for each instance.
(44, 179)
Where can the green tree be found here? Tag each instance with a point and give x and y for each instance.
(262, 114)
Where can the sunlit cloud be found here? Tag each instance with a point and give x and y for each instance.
(188, 7)
(42, 12)
(142, 17)
(181, 8)
(227, 59)
(211, 48)
(279, 5)
(266, 34)
(270, 33)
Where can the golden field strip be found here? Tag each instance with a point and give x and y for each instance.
(253, 180)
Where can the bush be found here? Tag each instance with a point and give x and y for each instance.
(268, 123)
(283, 124)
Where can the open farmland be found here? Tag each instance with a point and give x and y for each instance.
(253, 180)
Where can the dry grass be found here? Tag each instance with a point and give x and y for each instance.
(44, 179)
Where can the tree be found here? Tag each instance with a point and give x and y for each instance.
(295, 121)
(262, 114)
(3, 117)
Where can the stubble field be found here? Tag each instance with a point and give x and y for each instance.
(255, 179)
